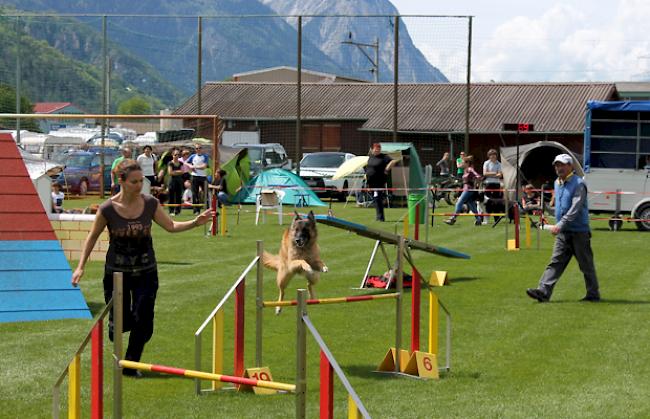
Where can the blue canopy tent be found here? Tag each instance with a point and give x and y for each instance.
(296, 190)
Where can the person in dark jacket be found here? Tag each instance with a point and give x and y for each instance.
(379, 165)
(572, 234)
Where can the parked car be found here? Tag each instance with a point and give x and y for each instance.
(82, 171)
(266, 156)
(317, 169)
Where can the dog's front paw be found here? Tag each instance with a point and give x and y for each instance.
(325, 269)
(278, 310)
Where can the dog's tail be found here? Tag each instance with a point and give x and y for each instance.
(271, 261)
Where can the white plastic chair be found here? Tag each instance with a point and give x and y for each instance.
(268, 199)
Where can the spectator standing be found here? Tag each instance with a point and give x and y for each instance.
(115, 185)
(129, 216)
(469, 195)
(459, 164)
(492, 175)
(198, 163)
(147, 162)
(572, 234)
(443, 165)
(379, 165)
(175, 173)
(57, 198)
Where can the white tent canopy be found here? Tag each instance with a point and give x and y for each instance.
(535, 163)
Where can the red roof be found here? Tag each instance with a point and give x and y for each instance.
(49, 107)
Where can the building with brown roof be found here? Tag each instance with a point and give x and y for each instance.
(351, 116)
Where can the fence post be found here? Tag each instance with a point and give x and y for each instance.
(97, 371)
(415, 292)
(118, 303)
(433, 322)
(398, 302)
(215, 216)
(326, 388)
(74, 388)
(217, 347)
(239, 328)
(301, 355)
(259, 307)
(197, 363)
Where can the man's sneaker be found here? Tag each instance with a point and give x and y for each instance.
(591, 298)
(450, 221)
(537, 294)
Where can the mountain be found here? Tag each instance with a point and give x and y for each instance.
(329, 32)
(153, 44)
(60, 61)
(169, 41)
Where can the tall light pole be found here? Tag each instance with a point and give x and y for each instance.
(362, 47)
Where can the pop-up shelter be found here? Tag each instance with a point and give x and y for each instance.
(34, 273)
(296, 191)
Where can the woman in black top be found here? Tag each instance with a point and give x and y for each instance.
(129, 216)
(175, 172)
(377, 170)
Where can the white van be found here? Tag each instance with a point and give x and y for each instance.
(617, 158)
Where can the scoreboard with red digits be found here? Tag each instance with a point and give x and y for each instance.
(519, 127)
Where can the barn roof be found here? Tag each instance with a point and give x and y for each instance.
(552, 107)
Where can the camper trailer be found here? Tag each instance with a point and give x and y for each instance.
(617, 158)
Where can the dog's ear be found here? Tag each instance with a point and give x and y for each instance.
(311, 217)
(297, 215)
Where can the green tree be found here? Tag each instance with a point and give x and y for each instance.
(137, 105)
(8, 105)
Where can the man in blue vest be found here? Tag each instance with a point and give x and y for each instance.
(573, 236)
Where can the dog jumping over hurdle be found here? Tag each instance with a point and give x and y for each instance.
(299, 254)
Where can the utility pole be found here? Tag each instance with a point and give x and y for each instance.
(362, 47)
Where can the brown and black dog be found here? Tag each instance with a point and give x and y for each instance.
(299, 254)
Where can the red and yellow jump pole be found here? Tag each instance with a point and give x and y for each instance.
(207, 376)
(334, 300)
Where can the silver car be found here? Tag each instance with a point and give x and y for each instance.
(317, 169)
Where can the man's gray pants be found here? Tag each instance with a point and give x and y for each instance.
(566, 245)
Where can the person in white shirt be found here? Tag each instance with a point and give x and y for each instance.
(492, 176)
(198, 163)
(147, 162)
(57, 199)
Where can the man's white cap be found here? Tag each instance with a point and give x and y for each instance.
(563, 158)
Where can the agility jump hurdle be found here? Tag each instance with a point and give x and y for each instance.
(73, 371)
(216, 319)
(274, 385)
(328, 365)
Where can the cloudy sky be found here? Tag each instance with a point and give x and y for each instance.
(528, 40)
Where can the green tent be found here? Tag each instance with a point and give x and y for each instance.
(296, 191)
(416, 183)
(236, 163)
(411, 160)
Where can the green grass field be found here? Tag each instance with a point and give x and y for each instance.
(512, 357)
